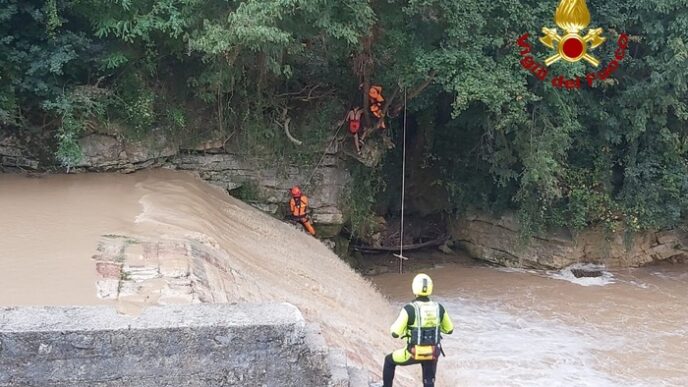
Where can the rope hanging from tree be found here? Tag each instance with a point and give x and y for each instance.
(329, 144)
(403, 195)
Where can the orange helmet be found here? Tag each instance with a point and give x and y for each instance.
(295, 191)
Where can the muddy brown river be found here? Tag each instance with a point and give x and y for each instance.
(513, 327)
(532, 328)
(49, 228)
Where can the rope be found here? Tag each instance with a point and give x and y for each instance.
(403, 193)
(308, 182)
(315, 168)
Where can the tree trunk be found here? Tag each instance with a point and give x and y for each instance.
(366, 59)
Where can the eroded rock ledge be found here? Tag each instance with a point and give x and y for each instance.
(215, 164)
(497, 240)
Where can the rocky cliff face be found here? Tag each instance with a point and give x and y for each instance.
(497, 240)
(225, 169)
(231, 171)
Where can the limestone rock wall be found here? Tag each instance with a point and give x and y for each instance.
(228, 170)
(497, 240)
(231, 171)
(200, 345)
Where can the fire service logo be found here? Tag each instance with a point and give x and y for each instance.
(572, 16)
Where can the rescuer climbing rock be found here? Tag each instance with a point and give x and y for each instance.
(298, 205)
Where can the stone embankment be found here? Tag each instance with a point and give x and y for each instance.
(497, 240)
(194, 345)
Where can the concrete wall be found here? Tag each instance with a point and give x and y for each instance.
(193, 345)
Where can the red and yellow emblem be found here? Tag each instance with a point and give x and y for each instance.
(572, 16)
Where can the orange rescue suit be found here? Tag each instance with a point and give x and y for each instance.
(376, 99)
(299, 210)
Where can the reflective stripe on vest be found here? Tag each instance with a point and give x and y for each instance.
(427, 318)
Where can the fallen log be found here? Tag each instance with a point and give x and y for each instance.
(416, 246)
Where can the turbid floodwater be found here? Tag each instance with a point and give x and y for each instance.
(513, 328)
(52, 226)
(534, 328)
(49, 228)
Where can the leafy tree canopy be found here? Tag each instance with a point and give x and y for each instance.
(500, 138)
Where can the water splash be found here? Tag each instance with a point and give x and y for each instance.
(498, 348)
(566, 274)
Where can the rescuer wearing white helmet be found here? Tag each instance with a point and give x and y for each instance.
(421, 323)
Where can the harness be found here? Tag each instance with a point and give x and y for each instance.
(299, 211)
(424, 341)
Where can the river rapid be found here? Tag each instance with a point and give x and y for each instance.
(535, 328)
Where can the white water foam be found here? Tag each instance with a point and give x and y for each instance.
(566, 274)
(492, 347)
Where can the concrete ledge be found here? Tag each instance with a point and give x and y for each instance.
(192, 345)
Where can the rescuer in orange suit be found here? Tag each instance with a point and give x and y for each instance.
(299, 209)
(376, 100)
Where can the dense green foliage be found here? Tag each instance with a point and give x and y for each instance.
(359, 199)
(611, 154)
(614, 153)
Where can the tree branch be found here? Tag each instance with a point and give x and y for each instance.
(414, 92)
(285, 124)
(301, 92)
(390, 100)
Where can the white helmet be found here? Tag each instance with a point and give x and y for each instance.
(422, 285)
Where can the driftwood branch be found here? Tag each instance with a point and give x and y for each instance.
(416, 246)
